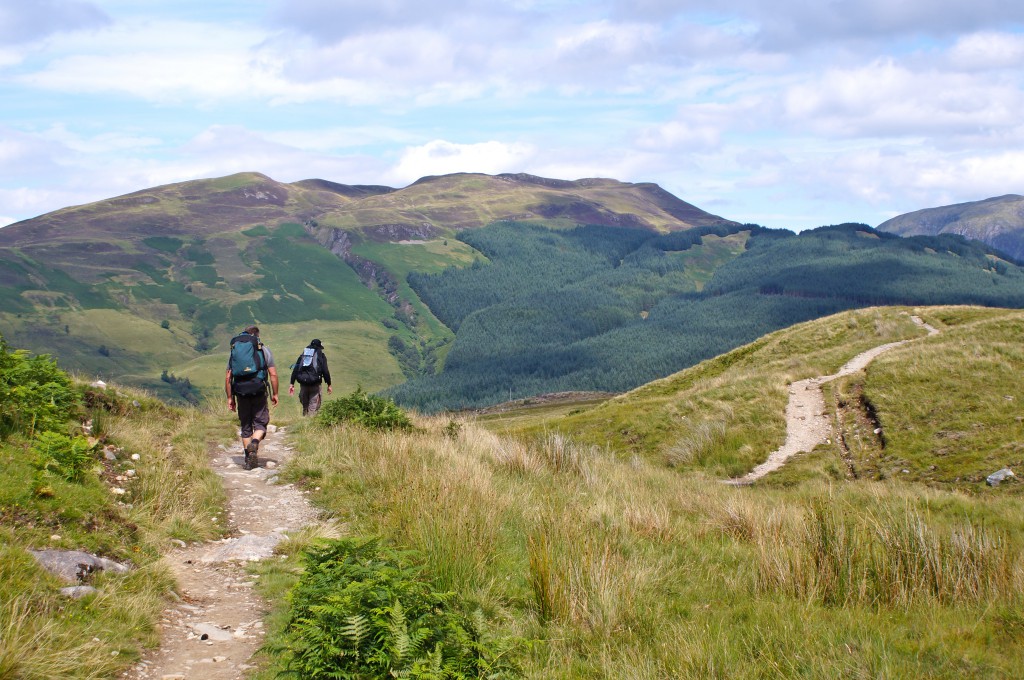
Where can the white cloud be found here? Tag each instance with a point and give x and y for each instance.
(331, 20)
(794, 26)
(332, 139)
(440, 157)
(104, 142)
(988, 50)
(23, 21)
(29, 158)
(410, 56)
(679, 135)
(885, 98)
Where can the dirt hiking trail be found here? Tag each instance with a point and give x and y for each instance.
(217, 625)
(807, 422)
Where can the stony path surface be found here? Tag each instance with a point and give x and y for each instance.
(217, 626)
(807, 422)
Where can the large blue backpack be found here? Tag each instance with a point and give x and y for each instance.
(248, 365)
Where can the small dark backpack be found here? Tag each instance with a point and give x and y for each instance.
(308, 367)
(248, 365)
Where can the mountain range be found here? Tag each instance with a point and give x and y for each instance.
(998, 221)
(470, 287)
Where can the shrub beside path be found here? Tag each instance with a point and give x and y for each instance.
(217, 625)
(807, 422)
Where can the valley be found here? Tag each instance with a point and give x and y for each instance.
(419, 292)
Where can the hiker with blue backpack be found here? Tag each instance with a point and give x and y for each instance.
(310, 370)
(250, 372)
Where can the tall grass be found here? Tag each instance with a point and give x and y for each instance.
(34, 647)
(175, 494)
(892, 560)
(162, 464)
(618, 567)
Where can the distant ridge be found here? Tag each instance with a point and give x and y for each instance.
(440, 204)
(998, 222)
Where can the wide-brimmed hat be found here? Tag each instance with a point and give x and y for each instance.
(316, 344)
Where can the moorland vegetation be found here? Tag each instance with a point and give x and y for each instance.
(597, 285)
(598, 553)
(586, 541)
(112, 472)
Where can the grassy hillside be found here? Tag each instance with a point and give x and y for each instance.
(998, 221)
(112, 472)
(176, 315)
(596, 309)
(607, 553)
(581, 551)
(441, 205)
(158, 279)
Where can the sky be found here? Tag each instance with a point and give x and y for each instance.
(789, 114)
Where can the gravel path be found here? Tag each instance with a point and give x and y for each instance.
(217, 626)
(807, 422)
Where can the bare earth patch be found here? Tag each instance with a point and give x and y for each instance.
(807, 422)
(217, 625)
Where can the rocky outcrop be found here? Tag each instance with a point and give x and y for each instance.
(372, 275)
(75, 566)
(401, 232)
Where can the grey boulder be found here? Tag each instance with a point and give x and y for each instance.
(74, 566)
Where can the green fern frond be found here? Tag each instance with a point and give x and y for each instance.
(399, 629)
(356, 630)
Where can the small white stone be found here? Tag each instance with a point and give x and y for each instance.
(55, 537)
(136, 456)
(117, 491)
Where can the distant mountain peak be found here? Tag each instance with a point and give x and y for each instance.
(996, 221)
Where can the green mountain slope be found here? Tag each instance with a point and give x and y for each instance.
(438, 205)
(608, 537)
(607, 311)
(156, 280)
(944, 407)
(998, 222)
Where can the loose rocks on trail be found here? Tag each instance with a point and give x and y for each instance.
(217, 625)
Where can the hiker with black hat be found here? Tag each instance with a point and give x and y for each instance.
(310, 370)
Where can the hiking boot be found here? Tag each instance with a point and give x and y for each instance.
(251, 460)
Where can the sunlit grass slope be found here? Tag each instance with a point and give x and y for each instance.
(945, 406)
(724, 415)
(158, 489)
(610, 565)
(168, 318)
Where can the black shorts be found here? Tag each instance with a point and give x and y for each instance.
(253, 413)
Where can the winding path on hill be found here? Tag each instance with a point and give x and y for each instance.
(217, 625)
(807, 422)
